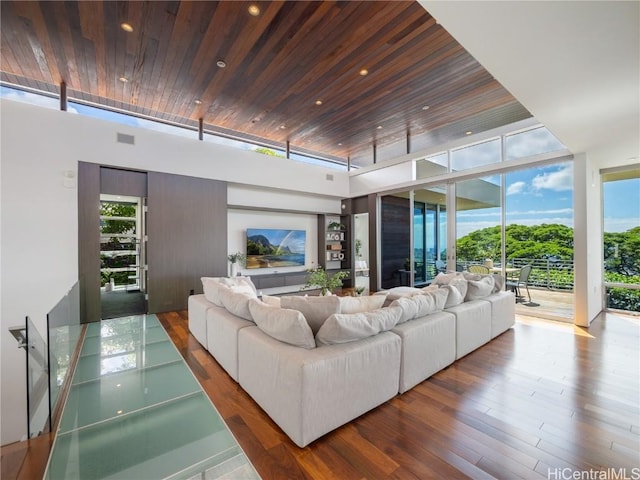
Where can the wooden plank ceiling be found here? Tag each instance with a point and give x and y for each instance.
(279, 65)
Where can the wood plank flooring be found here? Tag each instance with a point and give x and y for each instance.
(542, 397)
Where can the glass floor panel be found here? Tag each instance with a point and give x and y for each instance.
(150, 420)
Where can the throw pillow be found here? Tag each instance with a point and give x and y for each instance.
(479, 286)
(408, 306)
(271, 300)
(361, 304)
(244, 289)
(454, 297)
(349, 327)
(446, 278)
(236, 303)
(440, 296)
(233, 281)
(316, 309)
(210, 287)
(395, 293)
(288, 326)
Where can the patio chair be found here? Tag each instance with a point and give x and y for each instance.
(482, 269)
(522, 281)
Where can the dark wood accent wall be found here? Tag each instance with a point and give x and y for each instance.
(116, 181)
(395, 239)
(187, 230)
(89, 241)
(372, 208)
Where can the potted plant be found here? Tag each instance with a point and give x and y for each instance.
(359, 291)
(335, 226)
(107, 279)
(236, 259)
(327, 282)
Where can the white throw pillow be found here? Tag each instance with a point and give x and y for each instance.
(316, 309)
(446, 278)
(271, 300)
(236, 303)
(361, 304)
(395, 293)
(288, 326)
(440, 296)
(454, 297)
(479, 286)
(236, 281)
(408, 306)
(244, 289)
(210, 287)
(349, 327)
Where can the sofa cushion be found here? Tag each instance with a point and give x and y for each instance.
(395, 293)
(316, 309)
(421, 304)
(478, 286)
(235, 302)
(440, 295)
(271, 300)
(367, 303)
(349, 327)
(446, 278)
(288, 326)
(212, 285)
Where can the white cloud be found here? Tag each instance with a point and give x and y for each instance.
(612, 225)
(560, 180)
(516, 187)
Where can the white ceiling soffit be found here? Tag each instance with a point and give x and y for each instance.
(575, 65)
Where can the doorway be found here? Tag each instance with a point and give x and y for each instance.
(122, 256)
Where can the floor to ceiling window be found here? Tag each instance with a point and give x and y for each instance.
(621, 235)
(539, 238)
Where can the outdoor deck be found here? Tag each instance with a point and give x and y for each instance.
(551, 304)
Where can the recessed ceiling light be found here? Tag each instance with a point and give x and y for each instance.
(126, 27)
(318, 102)
(282, 127)
(426, 107)
(254, 10)
(198, 102)
(379, 127)
(364, 72)
(340, 143)
(123, 79)
(221, 63)
(469, 132)
(119, 412)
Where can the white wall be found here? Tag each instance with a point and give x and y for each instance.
(39, 214)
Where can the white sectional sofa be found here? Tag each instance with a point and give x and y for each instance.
(315, 363)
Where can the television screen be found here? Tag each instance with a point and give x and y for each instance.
(270, 248)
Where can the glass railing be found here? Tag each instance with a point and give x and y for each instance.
(64, 331)
(37, 382)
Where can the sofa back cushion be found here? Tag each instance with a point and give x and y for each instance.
(366, 303)
(212, 285)
(236, 302)
(271, 300)
(349, 327)
(316, 309)
(288, 326)
(421, 304)
(478, 286)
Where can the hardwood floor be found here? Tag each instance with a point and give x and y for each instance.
(542, 396)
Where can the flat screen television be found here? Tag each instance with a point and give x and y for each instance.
(271, 248)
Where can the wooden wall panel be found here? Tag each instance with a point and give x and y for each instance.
(372, 207)
(187, 237)
(395, 239)
(116, 181)
(89, 241)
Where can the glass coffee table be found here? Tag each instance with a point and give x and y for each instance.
(135, 410)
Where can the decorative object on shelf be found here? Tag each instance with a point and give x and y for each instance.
(359, 291)
(236, 259)
(327, 282)
(335, 226)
